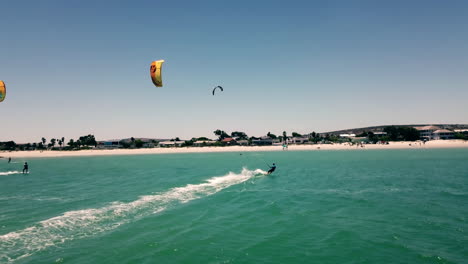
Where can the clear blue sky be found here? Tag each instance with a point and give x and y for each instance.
(74, 68)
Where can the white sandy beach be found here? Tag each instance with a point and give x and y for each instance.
(315, 147)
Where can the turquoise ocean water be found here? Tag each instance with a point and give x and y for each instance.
(354, 206)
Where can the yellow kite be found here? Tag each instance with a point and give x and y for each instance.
(155, 72)
(2, 91)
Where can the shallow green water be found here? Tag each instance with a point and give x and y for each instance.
(359, 206)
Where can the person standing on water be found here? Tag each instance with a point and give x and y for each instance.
(25, 168)
(272, 169)
(9, 159)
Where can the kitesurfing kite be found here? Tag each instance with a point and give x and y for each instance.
(221, 88)
(2, 91)
(155, 72)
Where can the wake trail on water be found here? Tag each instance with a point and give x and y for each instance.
(4, 173)
(89, 222)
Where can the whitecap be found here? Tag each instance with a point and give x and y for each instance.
(89, 222)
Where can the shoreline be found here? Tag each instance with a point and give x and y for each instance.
(316, 147)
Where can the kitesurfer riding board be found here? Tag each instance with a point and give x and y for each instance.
(272, 169)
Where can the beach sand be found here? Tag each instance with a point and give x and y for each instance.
(316, 147)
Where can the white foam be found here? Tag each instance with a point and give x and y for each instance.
(85, 223)
(10, 173)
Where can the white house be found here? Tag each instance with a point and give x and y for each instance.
(380, 133)
(243, 142)
(299, 140)
(443, 134)
(426, 132)
(170, 143)
(148, 145)
(201, 143)
(461, 131)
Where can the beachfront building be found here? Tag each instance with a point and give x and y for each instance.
(347, 135)
(426, 132)
(202, 143)
(138, 142)
(109, 144)
(229, 141)
(243, 142)
(148, 145)
(298, 140)
(443, 134)
(461, 131)
(168, 144)
(380, 134)
(262, 141)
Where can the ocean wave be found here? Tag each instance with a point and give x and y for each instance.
(4, 173)
(88, 222)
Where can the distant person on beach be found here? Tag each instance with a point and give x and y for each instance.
(272, 169)
(9, 159)
(25, 168)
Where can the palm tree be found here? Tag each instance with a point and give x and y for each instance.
(52, 142)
